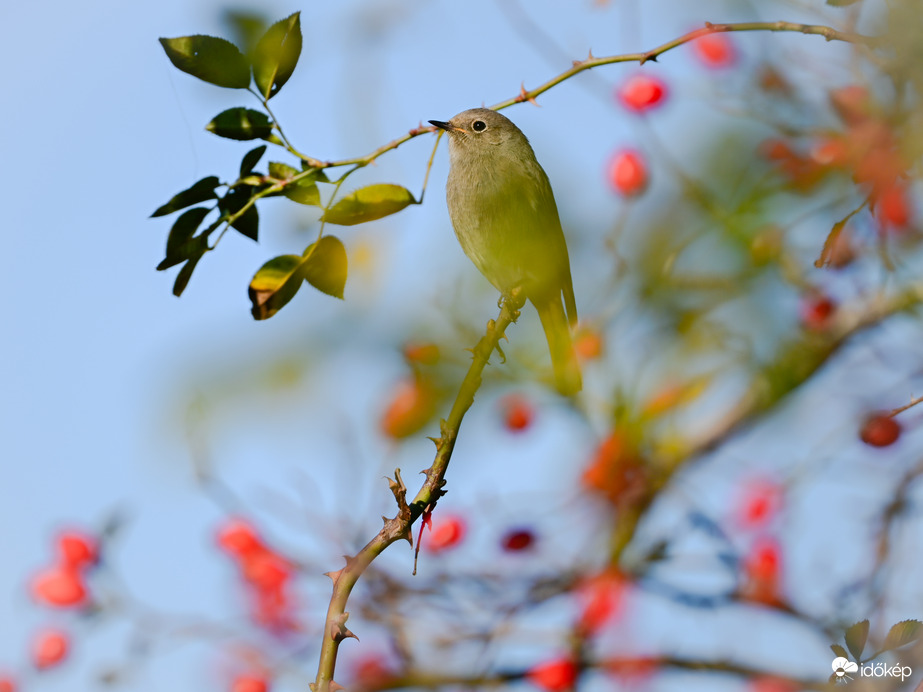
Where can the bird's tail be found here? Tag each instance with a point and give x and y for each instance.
(567, 378)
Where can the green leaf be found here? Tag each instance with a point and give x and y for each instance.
(903, 633)
(211, 59)
(369, 203)
(181, 245)
(303, 191)
(250, 159)
(839, 651)
(281, 171)
(185, 273)
(856, 636)
(248, 223)
(241, 124)
(276, 55)
(202, 191)
(274, 284)
(325, 266)
(842, 3)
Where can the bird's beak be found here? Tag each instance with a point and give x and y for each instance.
(442, 125)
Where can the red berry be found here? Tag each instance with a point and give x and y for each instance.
(642, 92)
(77, 549)
(249, 683)
(894, 207)
(266, 571)
(517, 412)
(7, 684)
(760, 501)
(817, 312)
(59, 586)
(238, 538)
(715, 50)
(50, 648)
(601, 599)
(519, 539)
(880, 430)
(446, 532)
(628, 173)
(554, 676)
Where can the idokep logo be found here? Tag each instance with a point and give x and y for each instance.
(843, 668)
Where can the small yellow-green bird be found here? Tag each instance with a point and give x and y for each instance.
(506, 220)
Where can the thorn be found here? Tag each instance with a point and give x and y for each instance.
(436, 441)
(590, 56)
(524, 95)
(709, 25)
(334, 575)
(384, 520)
(335, 686)
(312, 687)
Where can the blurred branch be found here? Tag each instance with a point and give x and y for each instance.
(398, 527)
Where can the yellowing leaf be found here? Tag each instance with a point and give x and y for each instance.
(326, 266)
(274, 284)
(369, 203)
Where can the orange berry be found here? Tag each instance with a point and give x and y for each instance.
(601, 596)
(893, 207)
(517, 412)
(410, 408)
(589, 343)
(424, 354)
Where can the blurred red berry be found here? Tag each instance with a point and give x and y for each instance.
(880, 430)
(7, 684)
(50, 648)
(628, 173)
(517, 412)
(266, 570)
(518, 539)
(601, 598)
(616, 471)
(238, 538)
(412, 405)
(715, 50)
(77, 549)
(61, 587)
(759, 502)
(762, 570)
(371, 671)
(893, 207)
(553, 676)
(249, 683)
(817, 312)
(642, 92)
(830, 151)
(446, 532)
(852, 104)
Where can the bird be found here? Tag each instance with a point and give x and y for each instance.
(506, 220)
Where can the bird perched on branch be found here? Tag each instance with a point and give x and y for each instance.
(506, 220)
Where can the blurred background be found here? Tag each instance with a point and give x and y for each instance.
(727, 496)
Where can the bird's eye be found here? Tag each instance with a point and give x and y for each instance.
(478, 126)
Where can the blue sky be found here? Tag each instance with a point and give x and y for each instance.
(100, 361)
